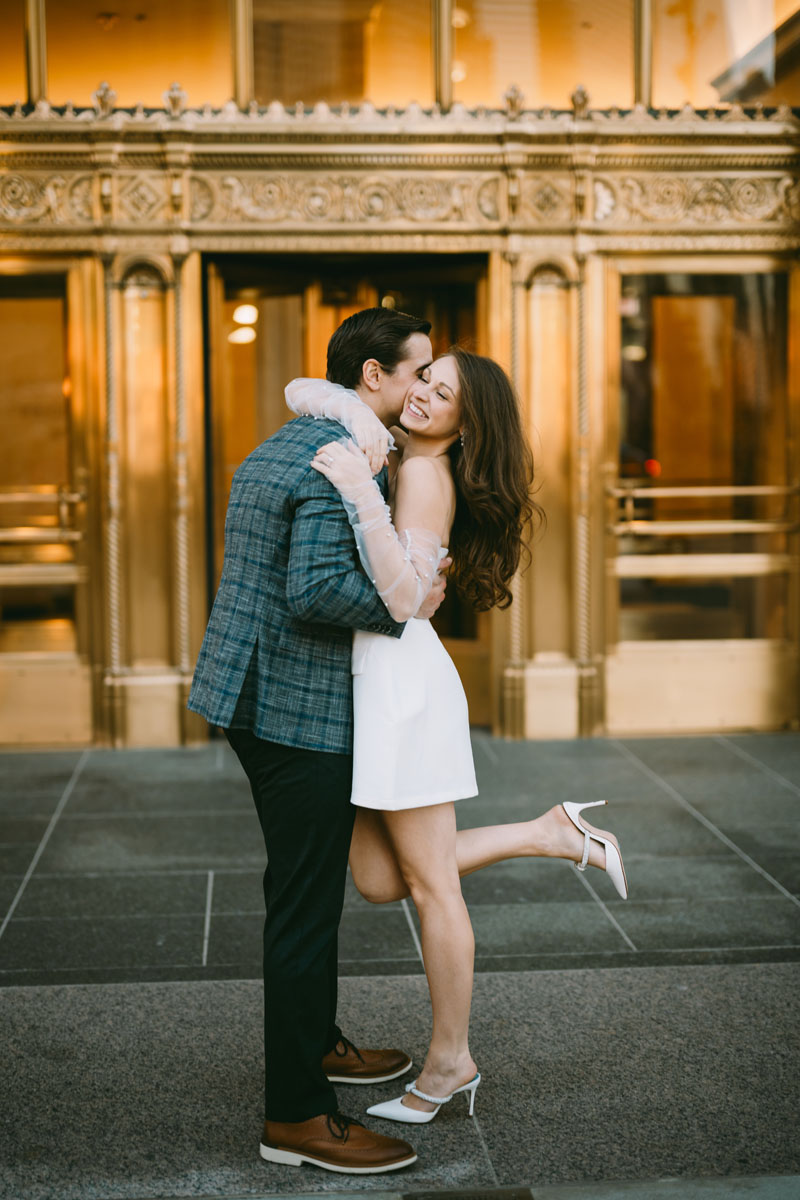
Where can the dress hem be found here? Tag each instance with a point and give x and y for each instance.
(425, 801)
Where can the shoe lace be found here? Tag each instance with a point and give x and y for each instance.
(347, 1046)
(339, 1125)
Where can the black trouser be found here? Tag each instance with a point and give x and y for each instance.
(303, 802)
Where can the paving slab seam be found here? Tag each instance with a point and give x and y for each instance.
(753, 1187)
(154, 814)
(606, 912)
(756, 762)
(207, 922)
(65, 795)
(690, 808)
(414, 935)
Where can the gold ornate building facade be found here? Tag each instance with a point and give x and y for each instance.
(172, 254)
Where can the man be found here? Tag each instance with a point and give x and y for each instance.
(274, 672)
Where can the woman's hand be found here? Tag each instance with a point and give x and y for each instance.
(370, 435)
(345, 466)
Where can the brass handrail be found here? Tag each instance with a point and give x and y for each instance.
(34, 535)
(700, 528)
(42, 497)
(705, 490)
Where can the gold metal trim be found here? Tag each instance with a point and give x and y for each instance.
(700, 566)
(36, 50)
(243, 61)
(643, 52)
(442, 18)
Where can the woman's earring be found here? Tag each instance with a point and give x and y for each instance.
(461, 438)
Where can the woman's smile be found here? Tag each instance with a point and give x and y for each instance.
(416, 411)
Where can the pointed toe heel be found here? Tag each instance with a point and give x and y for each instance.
(614, 865)
(395, 1110)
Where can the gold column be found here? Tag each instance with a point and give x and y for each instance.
(243, 65)
(149, 559)
(591, 328)
(442, 15)
(643, 52)
(551, 708)
(513, 692)
(112, 520)
(36, 50)
(191, 498)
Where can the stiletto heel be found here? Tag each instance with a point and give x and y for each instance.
(614, 866)
(395, 1110)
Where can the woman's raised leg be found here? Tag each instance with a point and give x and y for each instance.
(378, 877)
(424, 844)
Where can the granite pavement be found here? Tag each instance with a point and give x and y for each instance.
(642, 1048)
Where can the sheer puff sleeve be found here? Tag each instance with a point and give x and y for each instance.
(321, 398)
(402, 565)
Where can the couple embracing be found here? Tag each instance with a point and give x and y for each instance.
(348, 716)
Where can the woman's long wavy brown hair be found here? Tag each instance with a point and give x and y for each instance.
(493, 473)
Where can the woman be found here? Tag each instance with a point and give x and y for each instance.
(461, 480)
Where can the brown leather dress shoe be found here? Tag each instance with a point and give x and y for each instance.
(347, 1064)
(335, 1143)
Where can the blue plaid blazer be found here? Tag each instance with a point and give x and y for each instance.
(276, 654)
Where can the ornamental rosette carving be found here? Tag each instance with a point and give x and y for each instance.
(547, 200)
(142, 198)
(32, 199)
(692, 201)
(394, 199)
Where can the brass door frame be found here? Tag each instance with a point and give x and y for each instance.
(83, 289)
(606, 494)
(477, 658)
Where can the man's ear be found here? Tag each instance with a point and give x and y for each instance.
(371, 374)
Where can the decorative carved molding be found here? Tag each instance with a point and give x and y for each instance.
(142, 198)
(547, 200)
(366, 117)
(396, 200)
(391, 171)
(679, 201)
(386, 200)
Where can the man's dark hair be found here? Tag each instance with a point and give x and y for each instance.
(378, 333)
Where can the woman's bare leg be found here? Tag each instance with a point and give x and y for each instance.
(378, 877)
(424, 844)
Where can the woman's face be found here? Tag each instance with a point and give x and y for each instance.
(433, 405)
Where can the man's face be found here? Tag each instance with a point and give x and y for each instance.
(395, 387)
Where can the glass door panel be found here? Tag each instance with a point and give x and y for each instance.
(705, 511)
(43, 573)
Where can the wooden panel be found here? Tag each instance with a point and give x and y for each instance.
(693, 687)
(45, 702)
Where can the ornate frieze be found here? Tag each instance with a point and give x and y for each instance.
(678, 201)
(391, 199)
(206, 173)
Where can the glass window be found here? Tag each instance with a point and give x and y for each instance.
(13, 84)
(704, 510)
(140, 49)
(546, 48)
(38, 534)
(708, 51)
(343, 51)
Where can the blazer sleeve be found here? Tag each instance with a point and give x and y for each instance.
(324, 582)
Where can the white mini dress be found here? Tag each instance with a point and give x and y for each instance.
(411, 744)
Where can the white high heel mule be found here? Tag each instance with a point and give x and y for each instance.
(395, 1110)
(614, 868)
